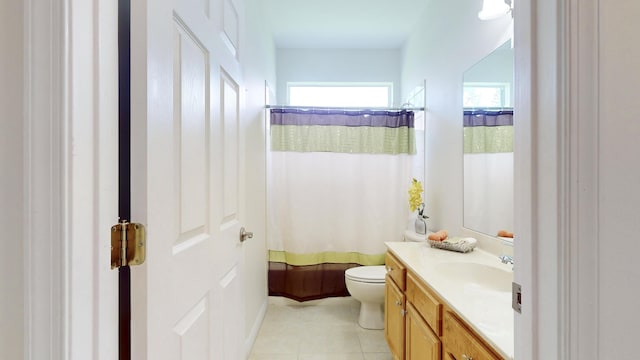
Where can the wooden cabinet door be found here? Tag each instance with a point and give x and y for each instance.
(396, 270)
(421, 342)
(460, 344)
(429, 307)
(394, 311)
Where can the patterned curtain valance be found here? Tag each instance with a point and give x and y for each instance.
(488, 131)
(488, 118)
(343, 131)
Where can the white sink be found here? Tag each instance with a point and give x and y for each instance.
(481, 275)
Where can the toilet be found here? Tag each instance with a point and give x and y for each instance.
(366, 284)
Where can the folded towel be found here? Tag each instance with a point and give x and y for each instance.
(439, 236)
(505, 233)
(455, 243)
(453, 240)
(460, 241)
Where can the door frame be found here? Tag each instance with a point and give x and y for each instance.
(69, 67)
(556, 66)
(70, 145)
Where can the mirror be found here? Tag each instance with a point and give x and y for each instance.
(488, 143)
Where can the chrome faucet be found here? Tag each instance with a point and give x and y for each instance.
(506, 259)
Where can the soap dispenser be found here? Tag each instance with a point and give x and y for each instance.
(421, 221)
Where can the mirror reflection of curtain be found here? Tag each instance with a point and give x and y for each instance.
(488, 169)
(337, 190)
(488, 131)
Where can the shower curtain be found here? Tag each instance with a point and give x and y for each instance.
(337, 191)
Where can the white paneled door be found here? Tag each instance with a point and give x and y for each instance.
(187, 180)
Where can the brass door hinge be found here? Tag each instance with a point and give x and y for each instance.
(128, 244)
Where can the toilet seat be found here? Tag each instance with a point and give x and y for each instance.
(367, 274)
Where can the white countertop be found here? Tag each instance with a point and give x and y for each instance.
(486, 310)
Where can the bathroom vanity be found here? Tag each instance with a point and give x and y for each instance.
(446, 305)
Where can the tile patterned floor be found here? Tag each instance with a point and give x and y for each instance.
(319, 330)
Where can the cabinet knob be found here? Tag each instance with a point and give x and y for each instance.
(389, 269)
(465, 357)
(398, 303)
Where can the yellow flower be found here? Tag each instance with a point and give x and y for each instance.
(415, 194)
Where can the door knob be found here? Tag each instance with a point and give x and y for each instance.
(244, 235)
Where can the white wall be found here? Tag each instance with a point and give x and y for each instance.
(441, 48)
(11, 188)
(337, 65)
(258, 62)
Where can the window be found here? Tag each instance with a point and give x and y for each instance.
(340, 94)
(486, 95)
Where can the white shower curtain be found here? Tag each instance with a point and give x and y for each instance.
(338, 184)
(335, 207)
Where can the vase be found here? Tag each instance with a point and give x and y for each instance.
(420, 225)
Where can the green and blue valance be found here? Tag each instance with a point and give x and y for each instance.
(343, 131)
(488, 131)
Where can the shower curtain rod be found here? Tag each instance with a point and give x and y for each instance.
(342, 108)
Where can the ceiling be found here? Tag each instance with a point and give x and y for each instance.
(353, 24)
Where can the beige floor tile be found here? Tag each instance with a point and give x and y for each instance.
(273, 357)
(332, 314)
(353, 356)
(377, 356)
(322, 330)
(287, 314)
(277, 340)
(324, 339)
(373, 341)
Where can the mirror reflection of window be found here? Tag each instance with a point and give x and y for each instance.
(486, 95)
